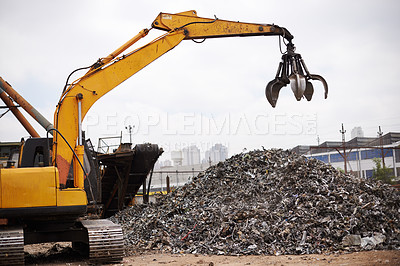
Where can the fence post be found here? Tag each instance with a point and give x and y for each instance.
(168, 187)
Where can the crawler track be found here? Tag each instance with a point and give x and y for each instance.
(106, 242)
(11, 246)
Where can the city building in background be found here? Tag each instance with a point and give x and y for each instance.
(176, 157)
(187, 164)
(357, 132)
(191, 155)
(217, 153)
(356, 155)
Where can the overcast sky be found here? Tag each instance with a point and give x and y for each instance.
(212, 92)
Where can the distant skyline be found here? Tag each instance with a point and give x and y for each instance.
(192, 155)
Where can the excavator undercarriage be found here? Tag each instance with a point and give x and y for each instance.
(100, 239)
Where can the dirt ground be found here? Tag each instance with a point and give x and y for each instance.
(359, 258)
(62, 254)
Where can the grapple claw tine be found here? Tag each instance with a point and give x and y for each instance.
(308, 93)
(272, 90)
(318, 77)
(298, 85)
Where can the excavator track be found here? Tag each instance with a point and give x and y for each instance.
(12, 246)
(106, 241)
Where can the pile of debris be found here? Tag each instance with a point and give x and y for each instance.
(267, 202)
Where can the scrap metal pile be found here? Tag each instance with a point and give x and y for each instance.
(267, 202)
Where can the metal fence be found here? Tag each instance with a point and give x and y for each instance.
(177, 178)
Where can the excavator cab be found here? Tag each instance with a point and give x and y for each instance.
(36, 153)
(292, 70)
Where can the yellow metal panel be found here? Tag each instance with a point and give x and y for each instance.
(28, 187)
(71, 197)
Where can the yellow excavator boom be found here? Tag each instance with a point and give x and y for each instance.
(110, 71)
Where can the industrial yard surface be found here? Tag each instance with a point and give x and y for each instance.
(357, 258)
(47, 254)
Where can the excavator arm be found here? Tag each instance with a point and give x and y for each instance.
(201, 28)
(110, 71)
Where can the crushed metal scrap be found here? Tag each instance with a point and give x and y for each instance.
(267, 202)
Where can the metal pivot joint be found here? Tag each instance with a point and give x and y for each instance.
(292, 70)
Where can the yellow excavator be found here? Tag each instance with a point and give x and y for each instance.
(45, 200)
